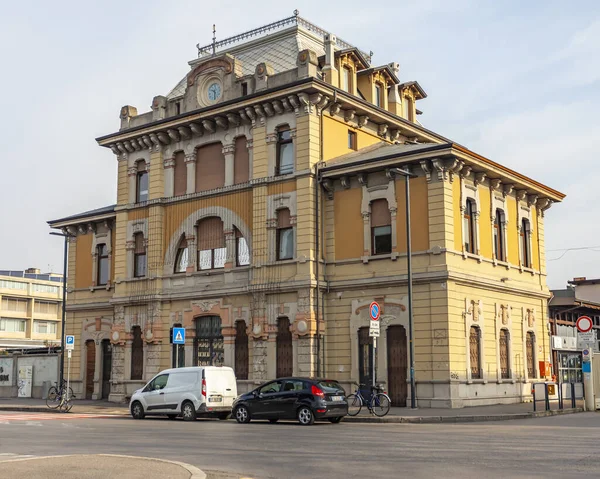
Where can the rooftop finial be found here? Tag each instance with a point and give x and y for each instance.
(296, 13)
(214, 43)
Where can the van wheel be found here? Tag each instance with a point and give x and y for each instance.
(242, 415)
(305, 416)
(137, 410)
(188, 411)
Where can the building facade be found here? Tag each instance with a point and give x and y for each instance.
(30, 309)
(258, 208)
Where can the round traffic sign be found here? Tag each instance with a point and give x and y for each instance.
(374, 311)
(584, 324)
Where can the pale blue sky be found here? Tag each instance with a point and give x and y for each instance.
(518, 82)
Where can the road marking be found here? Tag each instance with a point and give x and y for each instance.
(11, 456)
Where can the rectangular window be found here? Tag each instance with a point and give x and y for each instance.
(345, 79)
(352, 140)
(469, 226)
(44, 327)
(526, 243)
(14, 304)
(102, 274)
(285, 235)
(7, 284)
(285, 153)
(178, 108)
(244, 89)
(139, 257)
(475, 352)
(381, 229)
(499, 235)
(242, 253)
(504, 354)
(179, 175)
(378, 100)
(46, 307)
(142, 183)
(10, 325)
(44, 288)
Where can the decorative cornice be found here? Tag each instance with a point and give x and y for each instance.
(362, 179)
(382, 129)
(531, 200)
(479, 178)
(362, 120)
(495, 183)
(345, 182)
(507, 189)
(328, 187)
(425, 166)
(349, 115)
(520, 194)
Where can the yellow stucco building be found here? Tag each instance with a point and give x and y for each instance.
(258, 208)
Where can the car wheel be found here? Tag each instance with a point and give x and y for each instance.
(305, 416)
(172, 416)
(273, 421)
(223, 416)
(336, 420)
(242, 415)
(188, 411)
(137, 410)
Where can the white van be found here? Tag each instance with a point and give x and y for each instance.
(207, 391)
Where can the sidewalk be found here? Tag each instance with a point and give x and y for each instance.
(498, 412)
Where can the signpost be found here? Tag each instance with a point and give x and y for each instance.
(178, 338)
(374, 330)
(69, 346)
(587, 336)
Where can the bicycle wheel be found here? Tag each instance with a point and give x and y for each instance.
(53, 398)
(66, 406)
(380, 404)
(354, 404)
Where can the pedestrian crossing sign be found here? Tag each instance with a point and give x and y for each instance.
(178, 335)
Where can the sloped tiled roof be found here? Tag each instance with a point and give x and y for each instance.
(98, 211)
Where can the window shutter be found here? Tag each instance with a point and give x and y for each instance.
(139, 244)
(210, 167)
(283, 218)
(380, 213)
(241, 161)
(210, 234)
(180, 174)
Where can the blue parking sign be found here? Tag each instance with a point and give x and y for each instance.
(178, 335)
(69, 342)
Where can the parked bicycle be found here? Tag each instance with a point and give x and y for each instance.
(376, 400)
(57, 397)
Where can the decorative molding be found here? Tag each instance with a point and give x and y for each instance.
(495, 183)
(345, 182)
(479, 178)
(531, 200)
(507, 189)
(349, 115)
(362, 120)
(362, 179)
(328, 187)
(335, 108)
(520, 194)
(440, 166)
(394, 135)
(382, 129)
(425, 166)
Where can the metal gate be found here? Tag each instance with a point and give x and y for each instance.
(90, 369)
(285, 350)
(397, 365)
(209, 343)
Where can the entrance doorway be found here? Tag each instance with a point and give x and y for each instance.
(90, 369)
(284, 349)
(106, 367)
(397, 365)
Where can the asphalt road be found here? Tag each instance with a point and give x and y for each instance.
(562, 446)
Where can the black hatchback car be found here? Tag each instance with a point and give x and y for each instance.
(303, 399)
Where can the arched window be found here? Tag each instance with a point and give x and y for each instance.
(241, 350)
(475, 352)
(209, 341)
(504, 354)
(242, 253)
(285, 353)
(530, 347)
(180, 175)
(526, 242)
(285, 152)
(102, 267)
(211, 244)
(381, 227)
(499, 239)
(469, 226)
(139, 256)
(137, 353)
(142, 182)
(285, 235)
(182, 257)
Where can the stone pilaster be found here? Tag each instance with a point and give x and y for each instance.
(229, 154)
(190, 164)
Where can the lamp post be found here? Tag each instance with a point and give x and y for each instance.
(66, 236)
(407, 176)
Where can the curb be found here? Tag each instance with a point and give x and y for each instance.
(195, 472)
(458, 419)
(111, 412)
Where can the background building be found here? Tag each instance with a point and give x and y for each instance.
(30, 309)
(258, 208)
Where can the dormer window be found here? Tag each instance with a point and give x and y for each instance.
(345, 79)
(378, 93)
(178, 108)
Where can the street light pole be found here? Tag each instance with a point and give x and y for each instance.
(64, 306)
(407, 176)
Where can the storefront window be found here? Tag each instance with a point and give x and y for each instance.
(570, 367)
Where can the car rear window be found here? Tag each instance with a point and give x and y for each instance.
(330, 386)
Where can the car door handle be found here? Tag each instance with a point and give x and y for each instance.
(228, 389)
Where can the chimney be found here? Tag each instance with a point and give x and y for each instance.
(32, 271)
(330, 72)
(394, 100)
